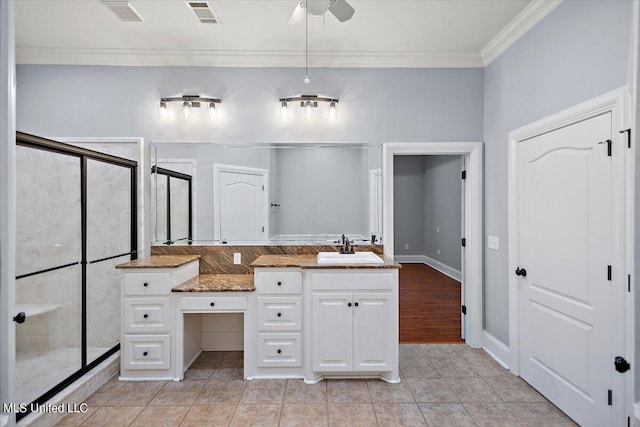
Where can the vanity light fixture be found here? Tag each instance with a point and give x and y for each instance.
(310, 104)
(189, 102)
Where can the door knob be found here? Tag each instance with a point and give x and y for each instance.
(521, 272)
(20, 317)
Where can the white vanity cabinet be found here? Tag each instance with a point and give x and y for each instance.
(147, 319)
(353, 323)
(278, 323)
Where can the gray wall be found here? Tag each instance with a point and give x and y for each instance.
(408, 205)
(376, 105)
(443, 208)
(578, 52)
(427, 192)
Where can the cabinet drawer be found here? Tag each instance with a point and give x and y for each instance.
(147, 314)
(146, 352)
(206, 303)
(147, 284)
(278, 282)
(276, 350)
(376, 280)
(280, 313)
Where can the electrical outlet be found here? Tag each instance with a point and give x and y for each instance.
(438, 251)
(237, 258)
(437, 229)
(406, 246)
(494, 243)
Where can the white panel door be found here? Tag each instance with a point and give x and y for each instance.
(565, 246)
(372, 329)
(241, 207)
(332, 331)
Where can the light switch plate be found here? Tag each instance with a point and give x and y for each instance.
(494, 243)
(237, 258)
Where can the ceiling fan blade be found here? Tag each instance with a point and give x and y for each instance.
(297, 15)
(341, 10)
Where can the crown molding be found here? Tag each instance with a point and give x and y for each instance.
(217, 58)
(533, 13)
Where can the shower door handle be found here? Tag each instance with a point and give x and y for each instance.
(20, 317)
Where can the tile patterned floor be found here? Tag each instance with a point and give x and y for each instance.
(442, 385)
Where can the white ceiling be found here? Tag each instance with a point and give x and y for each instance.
(382, 33)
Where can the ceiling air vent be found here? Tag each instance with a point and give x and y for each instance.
(204, 12)
(123, 10)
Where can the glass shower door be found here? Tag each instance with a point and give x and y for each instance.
(48, 270)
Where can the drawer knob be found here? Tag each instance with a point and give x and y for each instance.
(145, 315)
(145, 284)
(145, 353)
(279, 351)
(279, 314)
(212, 304)
(279, 283)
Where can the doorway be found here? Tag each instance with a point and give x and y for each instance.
(471, 268)
(428, 231)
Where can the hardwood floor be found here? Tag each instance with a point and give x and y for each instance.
(429, 306)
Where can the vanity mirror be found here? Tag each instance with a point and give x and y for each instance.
(266, 193)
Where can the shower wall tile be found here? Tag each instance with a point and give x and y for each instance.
(103, 303)
(60, 327)
(179, 208)
(108, 210)
(48, 210)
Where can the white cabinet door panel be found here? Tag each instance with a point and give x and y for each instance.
(373, 319)
(332, 332)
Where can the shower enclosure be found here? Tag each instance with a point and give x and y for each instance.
(172, 215)
(76, 219)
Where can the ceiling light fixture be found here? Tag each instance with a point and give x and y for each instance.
(310, 104)
(189, 102)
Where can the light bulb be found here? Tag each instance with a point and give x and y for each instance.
(213, 112)
(164, 113)
(308, 107)
(284, 111)
(333, 111)
(186, 109)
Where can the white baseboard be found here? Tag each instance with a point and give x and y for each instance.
(496, 349)
(423, 259)
(636, 413)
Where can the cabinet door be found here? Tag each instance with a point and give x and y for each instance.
(373, 325)
(332, 332)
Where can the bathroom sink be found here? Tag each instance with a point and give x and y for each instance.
(357, 258)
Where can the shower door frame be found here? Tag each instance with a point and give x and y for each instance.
(177, 175)
(83, 154)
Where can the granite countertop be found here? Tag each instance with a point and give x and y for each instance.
(160, 261)
(218, 283)
(310, 261)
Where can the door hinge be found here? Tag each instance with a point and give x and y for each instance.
(263, 229)
(608, 142)
(464, 174)
(608, 272)
(628, 283)
(263, 187)
(464, 309)
(464, 242)
(628, 131)
(609, 397)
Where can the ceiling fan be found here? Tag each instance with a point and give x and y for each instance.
(340, 9)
